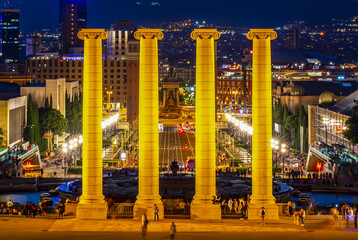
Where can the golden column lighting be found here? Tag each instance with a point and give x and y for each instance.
(202, 206)
(262, 124)
(148, 124)
(92, 204)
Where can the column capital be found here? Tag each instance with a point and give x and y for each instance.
(261, 34)
(148, 34)
(205, 34)
(91, 33)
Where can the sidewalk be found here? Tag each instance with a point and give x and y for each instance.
(322, 223)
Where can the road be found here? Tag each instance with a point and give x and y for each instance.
(174, 145)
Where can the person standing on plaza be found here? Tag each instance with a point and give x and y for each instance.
(229, 205)
(350, 215)
(173, 230)
(343, 210)
(235, 207)
(144, 225)
(262, 215)
(290, 212)
(10, 206)
(155, 211)
(355, 216)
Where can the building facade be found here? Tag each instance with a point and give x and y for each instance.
(230, 90)
(326, 124)
(13, 119)
(9, 35)
(114, 75)
(73, 17)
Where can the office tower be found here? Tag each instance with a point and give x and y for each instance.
(9, 35)
(73, 17)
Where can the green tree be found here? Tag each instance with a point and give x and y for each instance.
(291, 125)
(286, 114)
(52, 120)
(47, 104)
(351, 132)
(32, 129)
(50, 101)
(74, 114)
(1, 136)
(278, 113)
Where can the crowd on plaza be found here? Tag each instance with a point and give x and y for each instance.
(236, 206)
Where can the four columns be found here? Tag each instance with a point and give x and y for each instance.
(92, 204)
(262, 124)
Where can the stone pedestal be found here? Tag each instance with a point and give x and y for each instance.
(92, 204)
(262, 125)
(148, 125)
(202, 206)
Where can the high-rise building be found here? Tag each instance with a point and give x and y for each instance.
(117, 41)
(9, 35)
(73, 17)
(33, 45)
(292, 39)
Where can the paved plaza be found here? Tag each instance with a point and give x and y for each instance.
(316, 227)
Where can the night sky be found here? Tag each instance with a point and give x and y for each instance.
(38, 14)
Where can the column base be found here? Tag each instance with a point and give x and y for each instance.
(145, 204)
(204, 209)
(91, 209)
(270, 208)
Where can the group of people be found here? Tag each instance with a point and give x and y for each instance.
(236, 206)
(145, 222)
(349, 214)
(60, 209)
(297, 214)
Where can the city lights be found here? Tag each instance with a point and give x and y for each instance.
(108, 122)
(243, 126)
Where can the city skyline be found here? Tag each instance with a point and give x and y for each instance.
(244, 14)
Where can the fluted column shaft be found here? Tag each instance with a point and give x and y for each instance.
(262, 119)
(205, 145)
(148, 122)
(92, 194)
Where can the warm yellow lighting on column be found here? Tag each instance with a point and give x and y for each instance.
(92, 204)
(202, 206)
(148, 124)
(262, 124)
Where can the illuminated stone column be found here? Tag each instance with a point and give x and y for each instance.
(148, 124)
(202, 206)
(262, 124)
(92, 204)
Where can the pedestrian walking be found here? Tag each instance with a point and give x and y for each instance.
(173, 230)
(144, 225)
(296, 216)
(156, 212)
(262, 215)
(302, 216)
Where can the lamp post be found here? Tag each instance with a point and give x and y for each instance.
(275, 145)
(283, 150)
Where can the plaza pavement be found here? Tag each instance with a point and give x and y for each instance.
(285, 224)
(50, 228)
